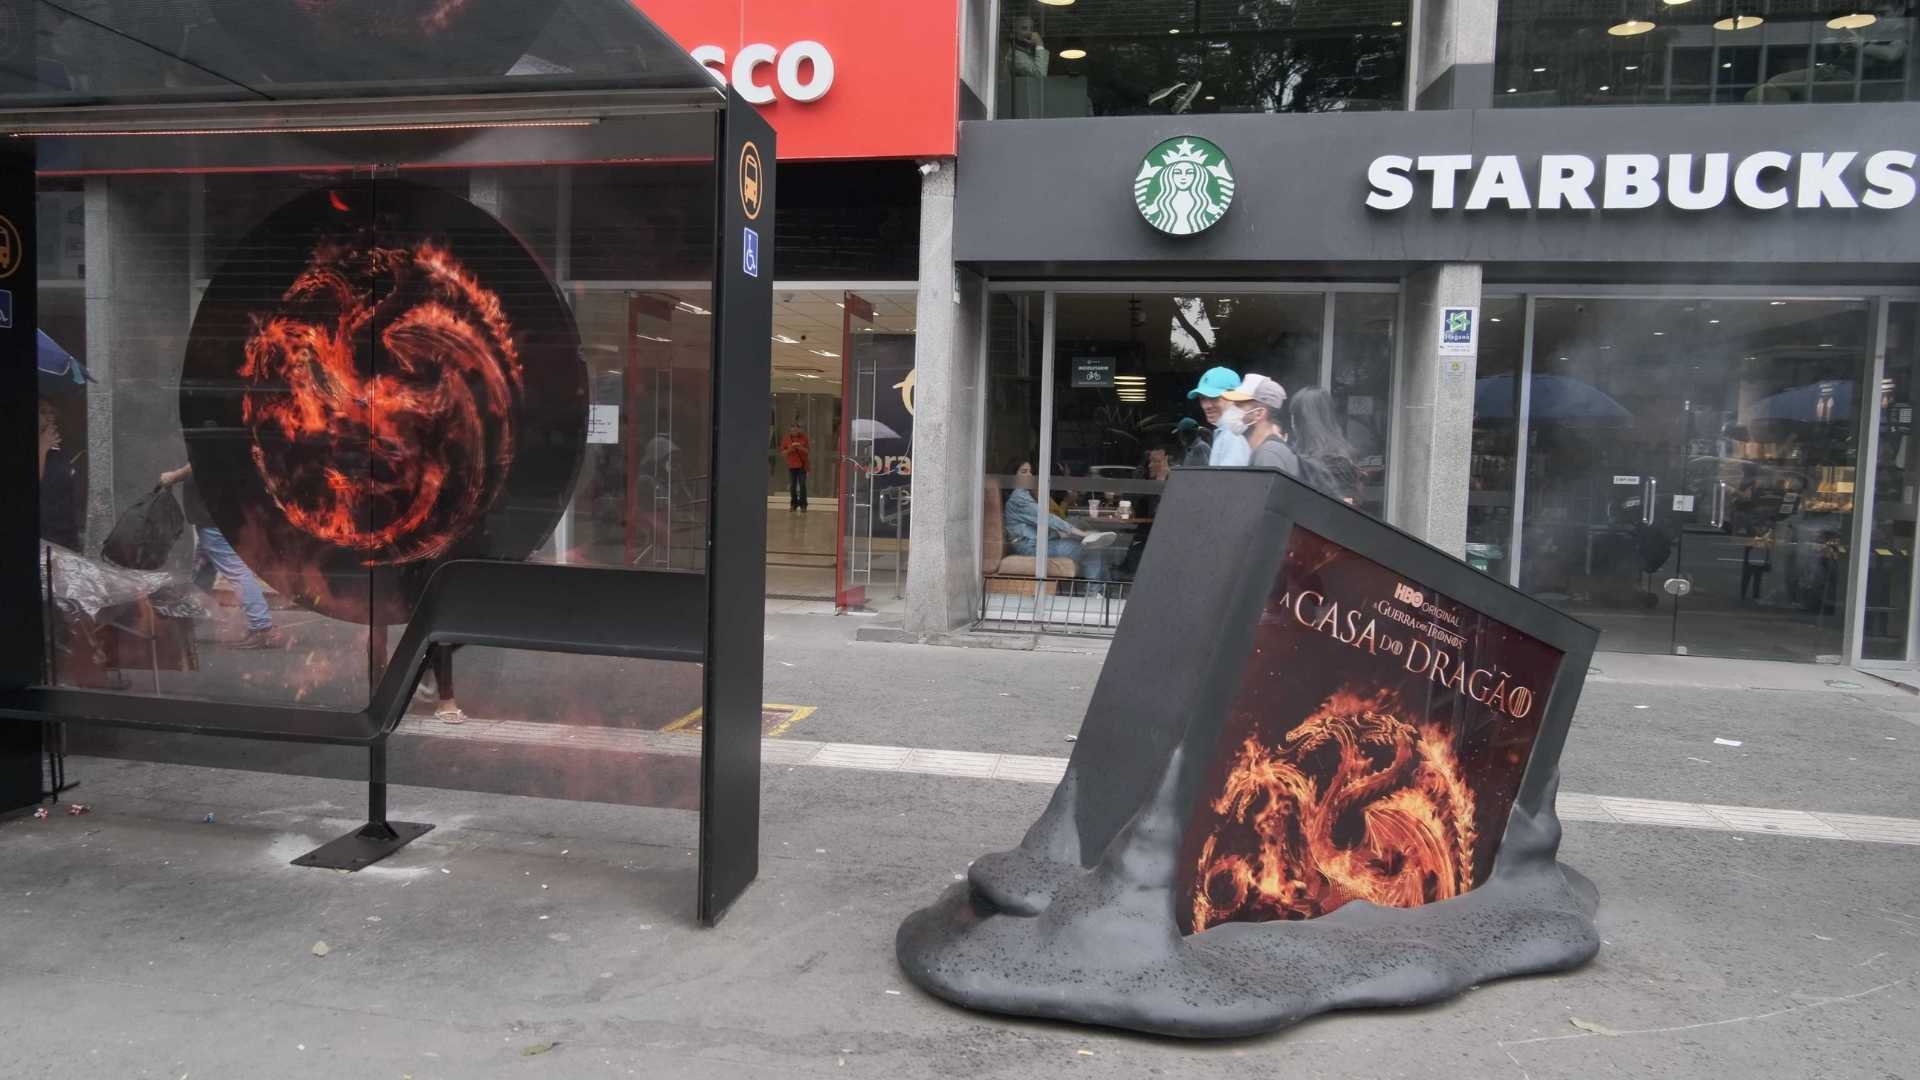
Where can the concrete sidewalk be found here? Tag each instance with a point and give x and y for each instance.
(532, 937)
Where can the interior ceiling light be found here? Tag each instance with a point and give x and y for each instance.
(1057, 3)
(1738, 22)
(1630, 27)
(1675, 3)
(1854, 20)
(1073, 54)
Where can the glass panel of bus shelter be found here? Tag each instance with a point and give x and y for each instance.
(370, 376)
(209, 378)
(1691, 470)
(1887, 627)
(631, 249)
(182, 51)
(858, 460)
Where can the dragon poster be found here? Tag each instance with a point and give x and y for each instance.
(1373, 750)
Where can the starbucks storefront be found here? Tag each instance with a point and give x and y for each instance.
(1651, 365)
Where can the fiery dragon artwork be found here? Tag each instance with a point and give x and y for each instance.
(433, 420)
(1353, 804)
(1373, 752)
(381, 378)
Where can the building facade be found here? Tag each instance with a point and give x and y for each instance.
(1618, 305)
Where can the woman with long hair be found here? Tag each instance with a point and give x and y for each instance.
(1022, 517)
(1326, 457)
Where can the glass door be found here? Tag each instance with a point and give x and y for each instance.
(1690, 471)
(856, 462)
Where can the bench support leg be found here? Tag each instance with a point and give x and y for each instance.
(375, 840)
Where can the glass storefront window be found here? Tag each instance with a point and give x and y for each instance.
(1691, 470)
(1361, 377)
(1015, 349)
(1496, 436)
(1127, 58)
(1117, 419)
(1887, 626)
(815, 343)
(1123, 364)
(1551, 53)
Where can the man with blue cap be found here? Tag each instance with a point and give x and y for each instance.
(1229, 446)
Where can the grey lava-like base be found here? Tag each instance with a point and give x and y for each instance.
(1038, 935)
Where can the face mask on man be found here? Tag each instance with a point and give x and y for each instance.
(1233, 420)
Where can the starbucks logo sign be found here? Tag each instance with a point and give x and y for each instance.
(1184, 186)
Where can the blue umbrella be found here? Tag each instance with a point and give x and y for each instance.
(1556, 399)
(1814, 403)
(54, 360)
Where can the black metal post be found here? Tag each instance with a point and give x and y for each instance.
(378, 838)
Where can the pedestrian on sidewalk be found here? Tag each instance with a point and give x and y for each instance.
(1253, 412)
(1326, 457)
(799, 452)
(59, 484)
(211, 549)
(1229, 447)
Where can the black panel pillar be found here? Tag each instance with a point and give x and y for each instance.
(21, 644)
(736, 559)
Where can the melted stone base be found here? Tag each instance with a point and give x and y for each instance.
(1035, 937)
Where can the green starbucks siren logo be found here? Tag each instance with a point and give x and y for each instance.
(1184, 186)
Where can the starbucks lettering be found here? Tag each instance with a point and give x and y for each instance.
(1766, 180)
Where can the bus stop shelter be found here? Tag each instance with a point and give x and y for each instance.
(446, 324)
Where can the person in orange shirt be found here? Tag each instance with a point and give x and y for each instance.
(798, 451)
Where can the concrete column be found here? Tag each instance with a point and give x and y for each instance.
(97, 227)
(139, 310)
(943, 564)
(1433, 421)
(1453, 54)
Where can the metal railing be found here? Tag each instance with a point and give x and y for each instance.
(1054, 606)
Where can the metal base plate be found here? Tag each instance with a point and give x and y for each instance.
(362, 848)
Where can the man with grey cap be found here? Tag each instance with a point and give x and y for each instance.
(1254, 409)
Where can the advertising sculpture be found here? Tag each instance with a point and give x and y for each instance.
(1317, 775)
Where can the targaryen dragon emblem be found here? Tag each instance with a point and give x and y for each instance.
(1353, 804)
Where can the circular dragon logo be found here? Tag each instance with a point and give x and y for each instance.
(434, 420)
(1185, 186)
(360, 403)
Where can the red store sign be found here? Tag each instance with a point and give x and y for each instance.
(836, 78)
